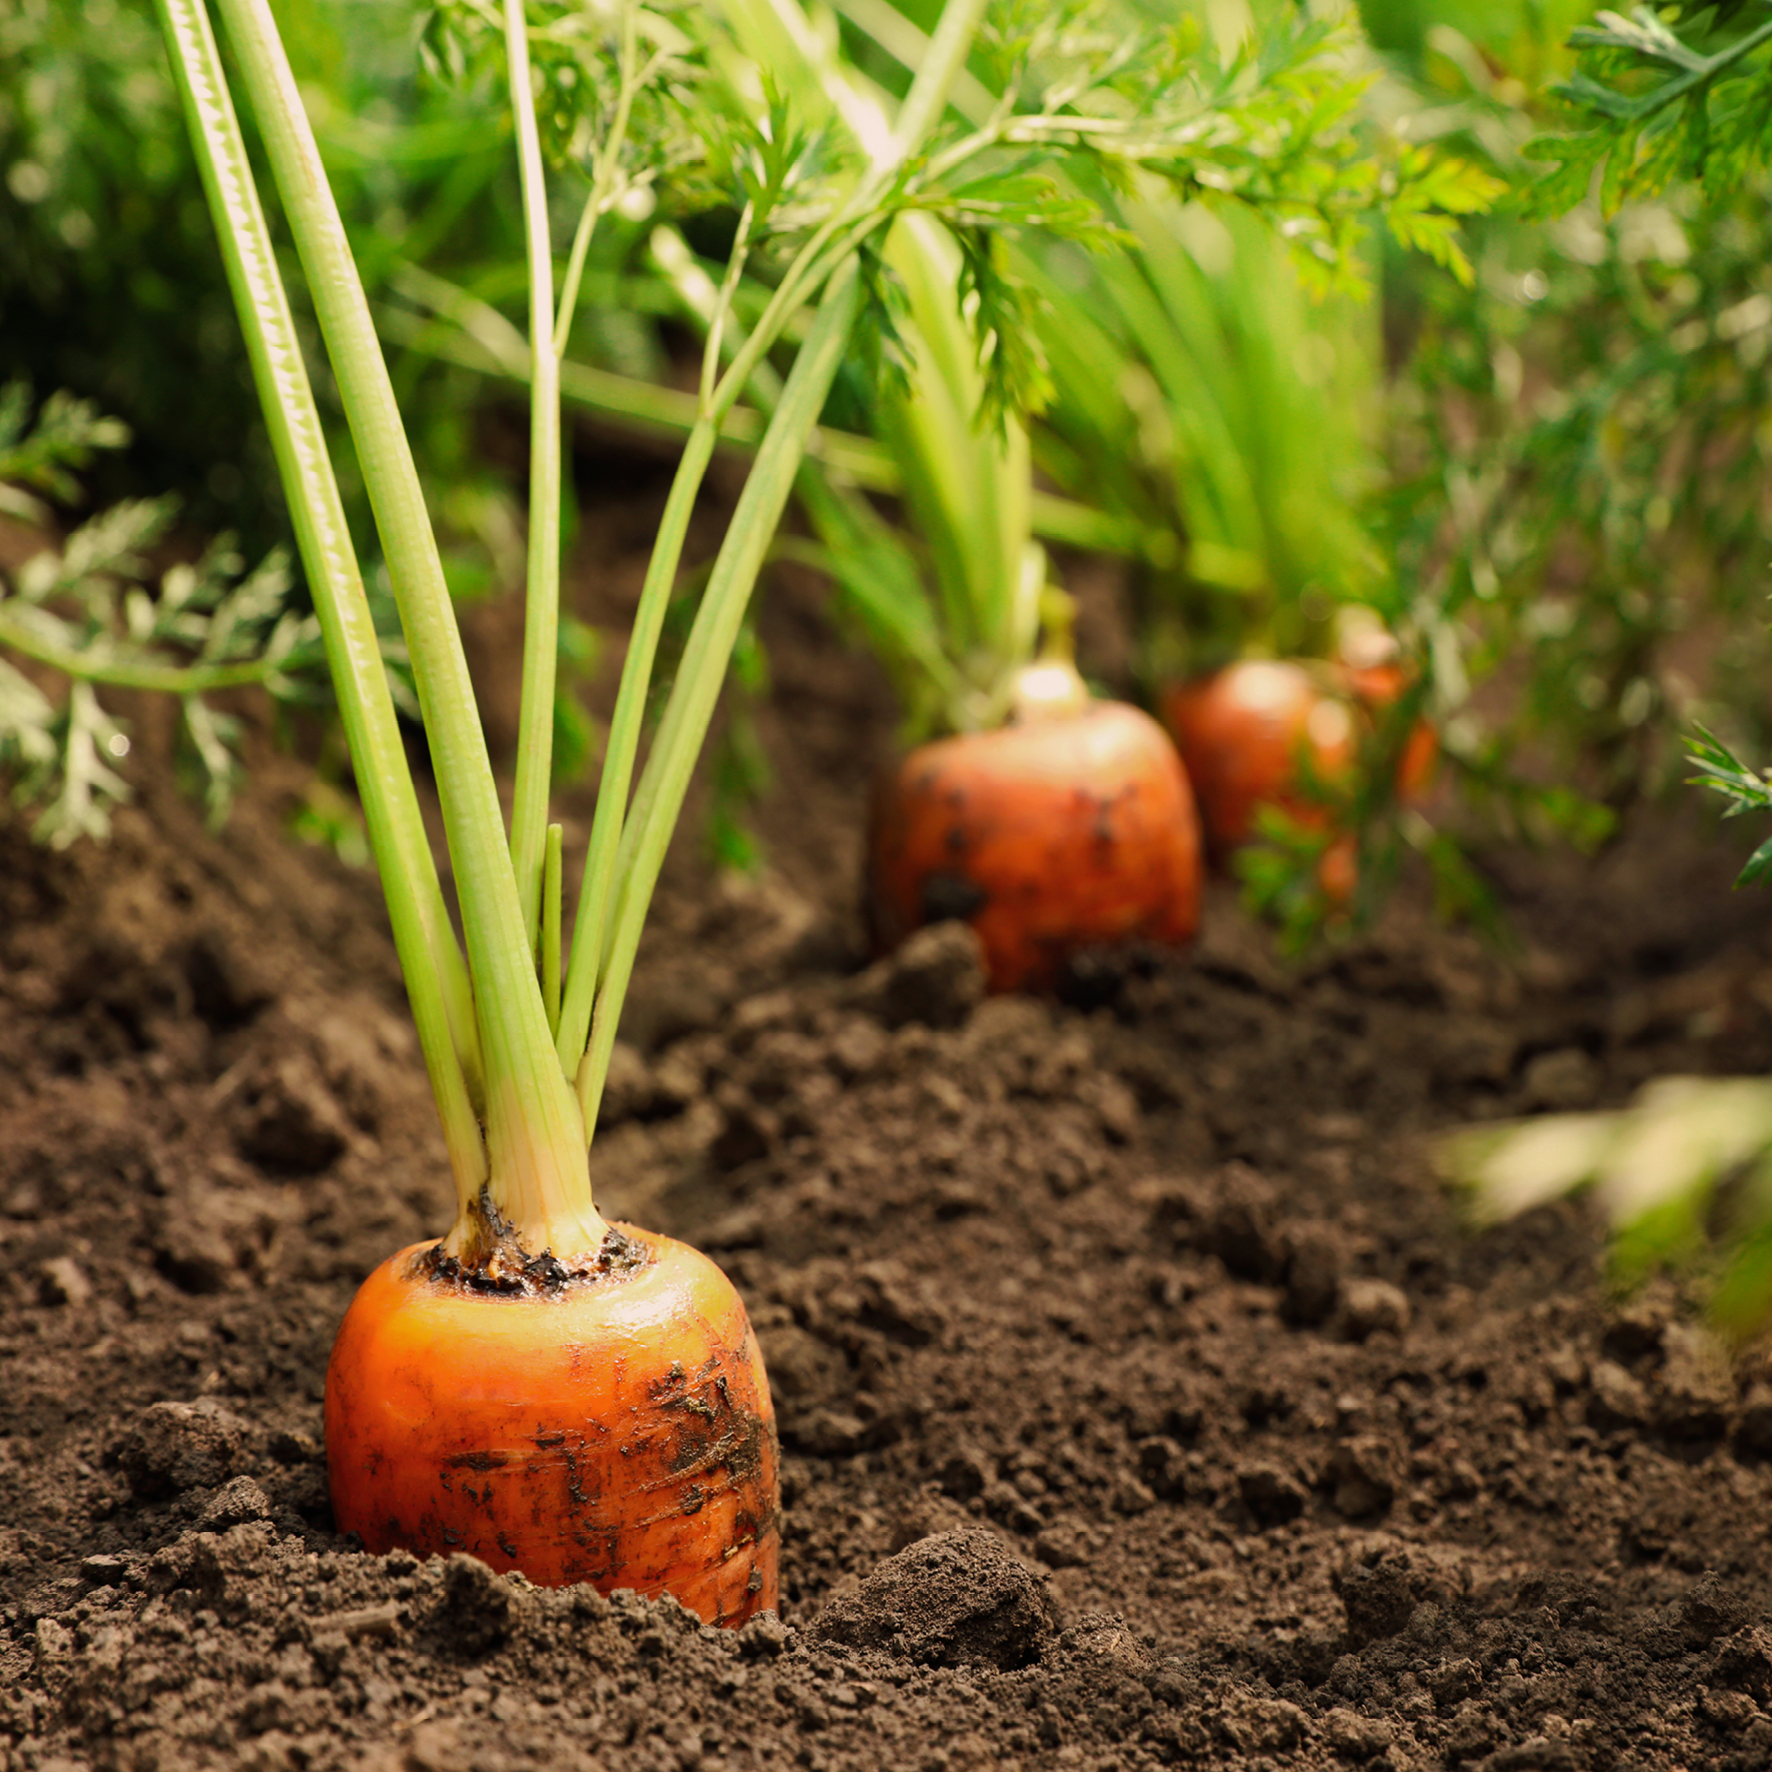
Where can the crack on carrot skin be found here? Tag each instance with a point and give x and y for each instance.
(476, 1461)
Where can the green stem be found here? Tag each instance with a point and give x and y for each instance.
(841, 518)
(709, 648)
(541, 608)
(621, 857)
(941, 67)
(670, 415)
(603, 182)
(429, 958)
(829, 253)
(83, 667)
(625, 726)
(841, 234)
(535, 1139)
(613, 830)
(550, 923)
(710, 356)
(909, 47)
(1641, 108)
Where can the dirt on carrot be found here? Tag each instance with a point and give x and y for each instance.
(1142, 1402)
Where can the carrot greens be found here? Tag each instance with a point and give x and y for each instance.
(91, 607)
(1683, 1174)
(839, 200)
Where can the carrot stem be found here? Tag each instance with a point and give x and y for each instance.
(539, 1174)
(429, 958)
(473, 335)
(703, 670)
(550, 924)
(541, 608)
(625, 724)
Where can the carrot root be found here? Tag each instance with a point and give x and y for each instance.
(615, 1429)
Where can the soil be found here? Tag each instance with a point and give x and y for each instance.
(1143, 1399)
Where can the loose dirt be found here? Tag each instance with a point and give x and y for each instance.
(1142, 1400)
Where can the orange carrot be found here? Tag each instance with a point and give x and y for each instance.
(613, 1428)
(1250, 733)
(1380, 685)
(1245, 733)
(1068, 831)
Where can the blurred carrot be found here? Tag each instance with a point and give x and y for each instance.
(1063, 832)
(1250, 733)
(1286, 734)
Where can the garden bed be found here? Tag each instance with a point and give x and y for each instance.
(1142, 1399)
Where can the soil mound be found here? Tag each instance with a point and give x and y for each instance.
(1143, 1401)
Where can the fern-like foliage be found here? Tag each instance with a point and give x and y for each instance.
(1660, 105)
(1087, 99)
(93, 611)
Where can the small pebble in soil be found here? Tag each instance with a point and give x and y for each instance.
(1362, 1477)
(61, 1280)
(1617, 1399)
(1372, 1307)
(233, 1504)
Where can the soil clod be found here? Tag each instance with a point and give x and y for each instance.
(957, 1599)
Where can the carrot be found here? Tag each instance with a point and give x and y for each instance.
(1380, 685)
(553, 1393)
(615, 1429)
(1253, 734)
(1063, 832)
(1247, 732)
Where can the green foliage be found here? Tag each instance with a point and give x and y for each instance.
(95, 612)
(1227, 418)
(1271, 129)
(1090, 123)
(579, 86)
(1283, 874)
(1743, 790)
(1660, 110)
(1605, 519)
(42, 457)
(1683, 1176)
(1581, 483)
(1578, 461)
(109, 280)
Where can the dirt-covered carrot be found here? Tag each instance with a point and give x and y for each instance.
(1288, 734)
(1072, 828)
(614, 1429)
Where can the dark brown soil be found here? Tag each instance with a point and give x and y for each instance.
(1142, 1400)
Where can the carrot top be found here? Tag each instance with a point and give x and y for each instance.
(730, 107)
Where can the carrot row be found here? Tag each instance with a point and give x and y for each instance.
(1086, 826)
